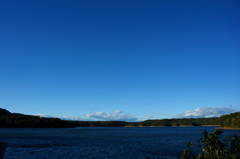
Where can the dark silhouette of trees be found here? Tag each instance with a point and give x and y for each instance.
(8, 119)
(98, 123)
(178, 122)
(13, 120)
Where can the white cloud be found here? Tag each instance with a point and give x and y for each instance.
(206, 112)
(99, 116)
(43, 115)
(148, 117)
(114, 116)
(73, 118)
(62, 117)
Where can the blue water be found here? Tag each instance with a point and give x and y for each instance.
(101, 142)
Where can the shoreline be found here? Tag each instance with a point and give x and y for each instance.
(175, 126)
(227, 128)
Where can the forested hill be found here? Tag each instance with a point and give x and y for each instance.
(15, 120)
(231, 120)
(4, 112)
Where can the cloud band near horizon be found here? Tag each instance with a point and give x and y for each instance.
(206, 112)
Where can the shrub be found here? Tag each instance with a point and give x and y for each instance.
(213, 148)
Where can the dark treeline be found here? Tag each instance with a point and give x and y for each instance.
(14, 120)
(177, 122)
(231, 120)
(98, 123)
(162, 122)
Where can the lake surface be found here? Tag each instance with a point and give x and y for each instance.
(101, 142)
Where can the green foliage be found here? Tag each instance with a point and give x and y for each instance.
(231, 120)
(213, 148)
(187, 153)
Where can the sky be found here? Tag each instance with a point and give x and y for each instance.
(128, 60)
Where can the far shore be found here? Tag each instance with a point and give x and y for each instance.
(228, 128)
(174, 126)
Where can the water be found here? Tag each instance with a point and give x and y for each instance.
(101, 142)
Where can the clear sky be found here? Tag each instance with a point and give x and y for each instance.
(120, 59)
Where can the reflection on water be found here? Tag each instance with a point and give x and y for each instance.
(101, 142)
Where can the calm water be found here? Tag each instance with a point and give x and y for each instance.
(102, 142)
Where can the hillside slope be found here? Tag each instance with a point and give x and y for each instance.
(14, 120)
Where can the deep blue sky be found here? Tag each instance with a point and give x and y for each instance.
(157, 58)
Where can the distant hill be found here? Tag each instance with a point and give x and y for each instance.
(178, 122)
(4, 112)
(15, 120)
(157, 122)
(99, 123)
